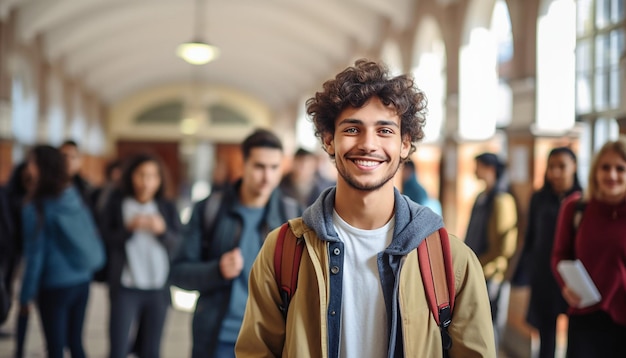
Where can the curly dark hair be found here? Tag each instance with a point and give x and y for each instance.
(127, 187)
(53, 176)
(355, 85)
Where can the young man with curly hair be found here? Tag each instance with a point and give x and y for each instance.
(359, 290)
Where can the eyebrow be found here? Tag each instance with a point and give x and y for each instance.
(378, 123)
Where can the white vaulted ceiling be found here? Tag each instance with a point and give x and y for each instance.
(274, 50)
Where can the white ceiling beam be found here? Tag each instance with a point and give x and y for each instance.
(398, 11)
(66, 38)
(39, 16)
(6, 6)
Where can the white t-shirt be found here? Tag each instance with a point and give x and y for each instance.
(147, 263)
(363, 314)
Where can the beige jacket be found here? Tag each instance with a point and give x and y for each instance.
(502, 236)
(265, 333)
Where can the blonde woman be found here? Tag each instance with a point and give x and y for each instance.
(598, 240)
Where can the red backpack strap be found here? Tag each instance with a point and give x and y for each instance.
(438, 276)
(287, 256)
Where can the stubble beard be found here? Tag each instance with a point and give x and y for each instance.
(353, 183)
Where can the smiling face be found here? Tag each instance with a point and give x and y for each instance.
(367, 146)
(610, 177)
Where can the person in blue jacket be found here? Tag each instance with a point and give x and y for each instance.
(62, 250)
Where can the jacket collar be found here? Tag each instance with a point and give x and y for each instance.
(413, 222)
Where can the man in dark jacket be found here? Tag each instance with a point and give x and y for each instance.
(222, 239)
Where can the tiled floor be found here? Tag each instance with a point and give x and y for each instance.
(176, 342)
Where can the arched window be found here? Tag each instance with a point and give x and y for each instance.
(484, 93)
(392, 56)
(556, 41)
(429, 70)
(25, 107)
(305, 132)
(56, 112)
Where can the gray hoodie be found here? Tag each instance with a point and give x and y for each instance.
(413, 223)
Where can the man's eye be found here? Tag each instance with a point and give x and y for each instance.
(351, 130)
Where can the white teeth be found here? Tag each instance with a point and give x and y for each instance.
(366, 163)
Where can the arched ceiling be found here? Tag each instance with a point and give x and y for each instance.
(274, 50)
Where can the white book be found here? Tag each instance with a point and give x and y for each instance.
(577, 278)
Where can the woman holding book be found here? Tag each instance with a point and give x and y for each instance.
(592, 229)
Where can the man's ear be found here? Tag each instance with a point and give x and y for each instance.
(406, 146)
(329, 146)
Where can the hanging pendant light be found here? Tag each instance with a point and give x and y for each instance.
(197, 51)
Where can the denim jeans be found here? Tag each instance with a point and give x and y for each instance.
(62, 312)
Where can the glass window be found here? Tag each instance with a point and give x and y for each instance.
(603, 11)
(600, 46)
(583, 22)
(24, 114)
(583, 76)
(605, 129)
(617, 11)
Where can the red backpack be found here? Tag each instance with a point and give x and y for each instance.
(435, 266)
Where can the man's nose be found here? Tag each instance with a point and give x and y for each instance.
(368, 141)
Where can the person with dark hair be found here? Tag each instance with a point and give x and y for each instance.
(74, 159)
(304, 181)
(112, 175)
(492, 233)
(546, 302)
(591, 227)
(7, 252)
(141, 230)
(411, 187)
(14, 195)
(223, 236)
(359, 289)
(62, 249)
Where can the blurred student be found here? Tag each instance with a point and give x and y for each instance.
(546, 301)
(7, 252)
(592, 229)
(74, 159)
(100, 195)
(223, 237)
(62, 249)
(492, 233)
(141, 229)
(412, 188)
(13, 196)
(304, 181)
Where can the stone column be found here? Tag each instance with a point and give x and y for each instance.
(6, 141)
